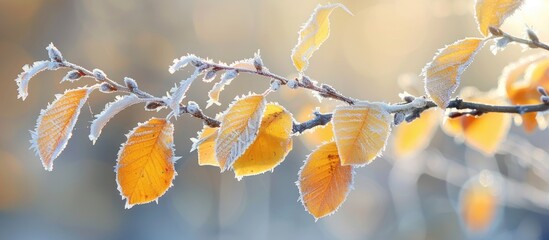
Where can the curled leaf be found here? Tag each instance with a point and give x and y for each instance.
(361, 132)
(315, 31)
(238, 129)
(272, 144)
(30, 71)
(178, 94)
(110, 110)
(218, 87)
(323, 182)
(492, 13)
(180, 63)
(442, 75)
(55, 123)
(145, 165)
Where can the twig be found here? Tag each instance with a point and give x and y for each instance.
(411, 107)
(532, 42)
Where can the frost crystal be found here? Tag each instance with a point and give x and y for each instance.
(192, 107)
(258, 63)
(72, 76)
(130, 83)
(275, 85)
(99, 74)
(210, 76)
(54, 53)
(293, 84)
(106, 88)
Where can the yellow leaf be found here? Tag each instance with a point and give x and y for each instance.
(483, 133)
(323, 182)
(271, 146)
(479, 204)
(493, 13)
(361, 132)
(55, 124)
(520, 91)
(442, 75)
(411, 138)
(315, 31)
(145, 165)
(239, 129)
(206, 148)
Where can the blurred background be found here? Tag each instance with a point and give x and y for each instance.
(413, 198)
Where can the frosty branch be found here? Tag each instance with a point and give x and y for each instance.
(253, 136)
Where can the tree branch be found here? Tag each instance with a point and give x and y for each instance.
(411, 108)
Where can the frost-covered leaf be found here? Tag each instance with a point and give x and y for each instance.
(520, 81)
(180, 63)
(110, 110)
(483, 133)
(492, 13)
(323, 182)
(272, 144)
(145, 165)
(315, 31)
(206, 146)
(411, 138)
(361, 132)
(178, 94)
(218, 87)
(55, 123)
(30, 71)
(442, 75)
(239, 129)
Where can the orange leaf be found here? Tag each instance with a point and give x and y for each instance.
(442, 75)
(535, 70)
(323, 182)
(494, 12)
(361, 132)
(271, 146)
(145, 165)
(206, 147)
(479, 204)
(411, 138)
(484, 132)
(55, 124)
(239, 129)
